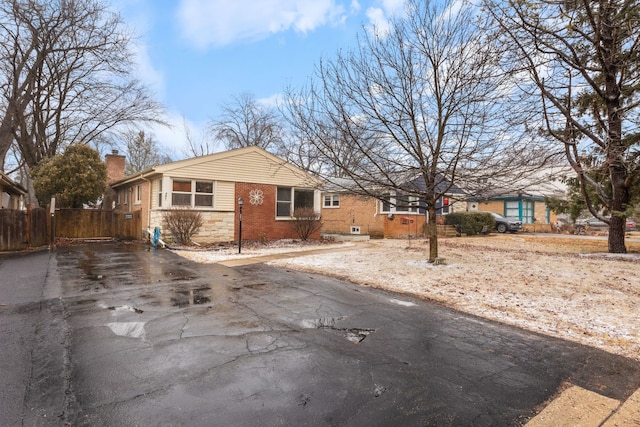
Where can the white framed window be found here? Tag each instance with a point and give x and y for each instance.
(331, 201)
(288, 199)
(522, 209)
(204, 193)
(194, 193)
(400, 203)
(181, 193)
(159, 193)
(445, 205)
(138, 191)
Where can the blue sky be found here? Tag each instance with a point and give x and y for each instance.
(197, 54)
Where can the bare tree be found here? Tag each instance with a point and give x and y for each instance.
(199, 145)
(65, 77)
(142, 152)
(245, 122)
(580, 59)
(297, 147)
(423, 100)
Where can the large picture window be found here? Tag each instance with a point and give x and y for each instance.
(192, 193)
(289, 199)
(521, 209)
(400, 203)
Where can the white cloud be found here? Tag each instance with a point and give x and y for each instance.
(137, 13)
(147, 73)
(379, 16)
(223, 22)
(272, 101)
(378, 21)
(174, 140)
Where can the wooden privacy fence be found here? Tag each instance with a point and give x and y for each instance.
(95, 223)
(21, 229)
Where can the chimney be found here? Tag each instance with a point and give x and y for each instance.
(115, 166)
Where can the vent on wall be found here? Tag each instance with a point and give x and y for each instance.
(355, 230)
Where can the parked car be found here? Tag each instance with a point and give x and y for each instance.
(592, 223)
(504, 224)
(595, 223)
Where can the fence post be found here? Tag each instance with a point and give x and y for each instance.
(52, 211)
(28, 231)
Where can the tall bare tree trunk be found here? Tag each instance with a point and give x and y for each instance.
(432, 232)
(617, 170)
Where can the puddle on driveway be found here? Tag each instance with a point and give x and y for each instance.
(184, 297)
(125, 308)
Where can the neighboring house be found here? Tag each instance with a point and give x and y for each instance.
(393, 215)
(525, 198)
(270, 188)
(12, 193)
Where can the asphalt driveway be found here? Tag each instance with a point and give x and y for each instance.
(121, 334)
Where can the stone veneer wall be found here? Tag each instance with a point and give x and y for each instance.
(217, 227)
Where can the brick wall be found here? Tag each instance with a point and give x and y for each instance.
(403, 225)
(496, 206)
(539, 210)
(259, 218)
(115, 166)
(115, 171)
(353, 211)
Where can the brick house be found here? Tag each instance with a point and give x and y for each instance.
(270, 188)
(525, 198)
(393, 215)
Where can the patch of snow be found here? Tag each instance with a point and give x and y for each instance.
(127, 329)
(403, 303)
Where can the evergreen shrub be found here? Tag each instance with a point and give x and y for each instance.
(470, 223)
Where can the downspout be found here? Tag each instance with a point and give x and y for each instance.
(150, 200)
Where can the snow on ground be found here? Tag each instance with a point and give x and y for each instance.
(567, 288)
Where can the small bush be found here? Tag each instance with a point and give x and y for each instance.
(183, 224)
(305, 222)
(470, 223)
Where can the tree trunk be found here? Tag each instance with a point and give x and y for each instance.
(6, 138)
(432, 232)
(615, 147)
(616, 235)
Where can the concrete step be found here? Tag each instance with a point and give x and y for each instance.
(577, 407)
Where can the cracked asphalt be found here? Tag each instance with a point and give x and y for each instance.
(105, 334)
